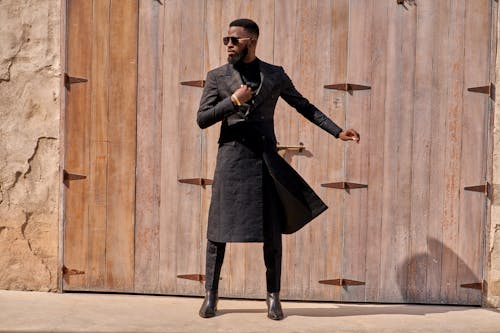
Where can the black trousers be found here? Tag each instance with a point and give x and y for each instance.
(272, 260)
(273, 217)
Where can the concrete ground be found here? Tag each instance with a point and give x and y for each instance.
(70, 312)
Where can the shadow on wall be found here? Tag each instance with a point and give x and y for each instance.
(436, 276)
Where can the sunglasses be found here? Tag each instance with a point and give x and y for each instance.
(234, 40)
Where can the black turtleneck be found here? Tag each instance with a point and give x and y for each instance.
(250, 73)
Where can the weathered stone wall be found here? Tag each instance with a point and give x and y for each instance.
(30, 69)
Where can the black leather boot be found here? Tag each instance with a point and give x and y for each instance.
(274, 310)
(209, 306)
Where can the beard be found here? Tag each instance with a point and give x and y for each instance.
(238, 57)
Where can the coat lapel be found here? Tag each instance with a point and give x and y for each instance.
(233, 79)
(267, 82)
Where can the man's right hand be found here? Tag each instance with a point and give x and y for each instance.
(243, 93)
(349, 135)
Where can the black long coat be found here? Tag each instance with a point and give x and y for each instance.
(248, 165)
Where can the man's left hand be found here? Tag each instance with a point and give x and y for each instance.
(349, 135)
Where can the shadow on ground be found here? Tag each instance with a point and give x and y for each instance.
(347, 311)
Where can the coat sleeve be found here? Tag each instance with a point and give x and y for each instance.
(304, 107)
(212, 108)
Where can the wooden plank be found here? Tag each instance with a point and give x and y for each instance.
(287, 54)
(170, 188)
(490, 128)
(320, 145)
(438, 146)
(122, 145)
(98, 147)
(77, 143)
(374, 138)
(474, 149)
(337, 59)
(215, 56)
(453, 79)
(286, 30)
(149, 139)
(406, 97)
(357, 156)
(396, 170)
(420, 196)
(61, 205)
(307, 39)
(188, 225)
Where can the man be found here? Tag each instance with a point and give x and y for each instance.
(256, 195)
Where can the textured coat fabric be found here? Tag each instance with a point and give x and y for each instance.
(248, 165)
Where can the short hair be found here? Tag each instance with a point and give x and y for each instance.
(246, 24)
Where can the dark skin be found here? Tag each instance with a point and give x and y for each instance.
(244, 93)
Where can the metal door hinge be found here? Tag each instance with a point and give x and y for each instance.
(69, 80)
(196, 83)
(299, 148)
(193, 277)
(485, 188)
(196, 181)
(342, 282)
(487, 90)
(71, 271)
(350, 87)
(344, 185)
(476, 285)
(71, 176)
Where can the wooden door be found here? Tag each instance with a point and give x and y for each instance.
(403, 229)
(100, 156)
(169, 230)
